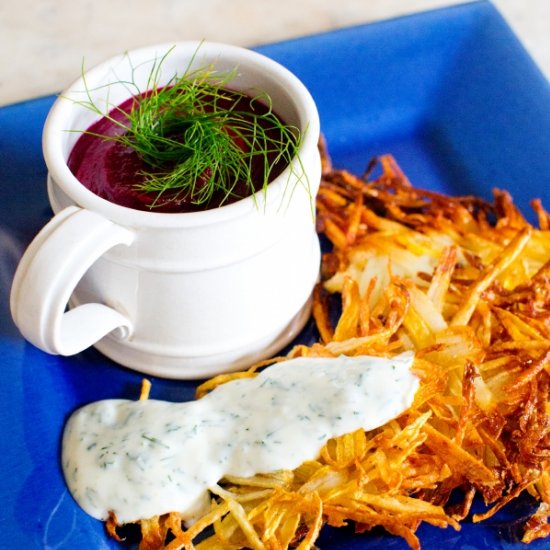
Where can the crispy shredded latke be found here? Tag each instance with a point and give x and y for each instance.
(464, 283)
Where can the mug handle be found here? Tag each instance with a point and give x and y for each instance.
(49, 271)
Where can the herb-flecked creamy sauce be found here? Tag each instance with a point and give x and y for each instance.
(143, 458)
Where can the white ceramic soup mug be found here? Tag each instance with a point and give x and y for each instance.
(177, 295)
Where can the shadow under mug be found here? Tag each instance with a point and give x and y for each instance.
(184, 295)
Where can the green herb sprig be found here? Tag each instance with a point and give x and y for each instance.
(198, 144)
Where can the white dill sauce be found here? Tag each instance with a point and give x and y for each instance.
(145, 458)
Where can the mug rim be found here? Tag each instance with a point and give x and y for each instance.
(62, 176)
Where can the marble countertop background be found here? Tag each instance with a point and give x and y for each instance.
(44, 42)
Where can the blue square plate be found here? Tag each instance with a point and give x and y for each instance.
(451, 93)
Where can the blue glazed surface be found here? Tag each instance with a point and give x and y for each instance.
(451, 93)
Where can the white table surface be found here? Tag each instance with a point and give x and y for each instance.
(44, 42)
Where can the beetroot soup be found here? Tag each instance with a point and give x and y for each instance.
(118, 172)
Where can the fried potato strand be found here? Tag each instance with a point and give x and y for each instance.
(466, 285)
(478, 306)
